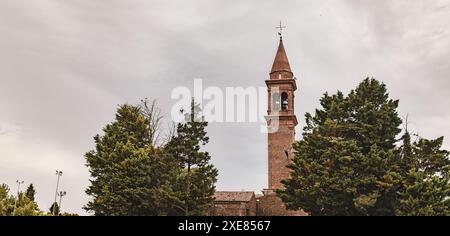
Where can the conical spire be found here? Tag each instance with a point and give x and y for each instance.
(281, 62)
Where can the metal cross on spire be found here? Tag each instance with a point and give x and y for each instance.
(281, 27)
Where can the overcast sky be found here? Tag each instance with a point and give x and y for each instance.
(66, 65)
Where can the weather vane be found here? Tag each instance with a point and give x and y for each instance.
(281, 27)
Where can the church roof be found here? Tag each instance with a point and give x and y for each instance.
(233, 196)
(281, 62)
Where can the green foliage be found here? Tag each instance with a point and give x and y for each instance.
(6, 201)
(348, 162)
(27, 207)
(195, 185)
(425, 187)
(68, 214)
(30, 192)
(129, 175)
(132, 177)
(54, 209)
(24, 206)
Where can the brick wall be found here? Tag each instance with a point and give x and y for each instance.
(232, 208)
(271, 205)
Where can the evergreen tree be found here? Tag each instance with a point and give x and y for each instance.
(27, 207)
(54, 209)
(348, 163)
(426, 183)
(24, 206)
(129, 175)
(30, 192)
(196, 184)
(6, 201)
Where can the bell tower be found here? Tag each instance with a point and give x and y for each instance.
(281, 123)
(281, 119)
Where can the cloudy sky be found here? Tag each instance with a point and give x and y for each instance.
(66, 65)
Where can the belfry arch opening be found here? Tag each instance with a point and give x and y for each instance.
(284, 101)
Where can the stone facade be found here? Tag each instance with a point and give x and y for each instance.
(230, 203)
(270, 204)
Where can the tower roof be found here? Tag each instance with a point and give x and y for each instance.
(281, 62)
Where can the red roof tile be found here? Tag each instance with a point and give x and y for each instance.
(233, 196)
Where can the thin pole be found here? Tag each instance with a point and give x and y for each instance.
(280, 32)
(58, 173)
(61, 194)
(17, 198)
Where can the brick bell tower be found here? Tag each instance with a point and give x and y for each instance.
(281, 119)
(281, 122)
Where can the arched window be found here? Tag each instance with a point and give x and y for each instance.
(276, 103)
(284, 101)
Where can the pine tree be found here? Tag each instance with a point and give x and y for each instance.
(196, 183)
(6, 201)
(54, 209)
(26, 206)
(426, 183)
(30, 192)
(343, 165)
(23, 205)
(129, 175)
